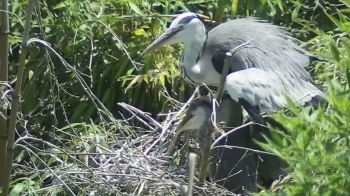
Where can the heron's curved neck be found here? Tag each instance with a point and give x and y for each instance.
(192, 49)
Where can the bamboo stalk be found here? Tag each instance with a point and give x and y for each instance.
(15, 99)
(4, 31)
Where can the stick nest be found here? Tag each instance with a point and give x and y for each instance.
(111, 158)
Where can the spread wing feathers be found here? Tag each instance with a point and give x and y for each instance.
(266, 90)
(275, 51)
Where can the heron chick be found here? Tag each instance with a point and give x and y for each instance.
(237, 168)
(193, 120)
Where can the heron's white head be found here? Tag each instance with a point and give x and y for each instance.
(187, 27)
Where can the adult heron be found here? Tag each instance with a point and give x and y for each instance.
(259, 77)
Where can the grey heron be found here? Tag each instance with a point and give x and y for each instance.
(259, 77)
(234, 168)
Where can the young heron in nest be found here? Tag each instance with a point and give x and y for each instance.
(237, 169)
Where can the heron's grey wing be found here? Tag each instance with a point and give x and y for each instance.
(304, 59)
(258, 87)
(273, 46)
(275, 50)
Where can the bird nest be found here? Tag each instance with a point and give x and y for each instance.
(117, 166)
(130, 172)
(120, 165)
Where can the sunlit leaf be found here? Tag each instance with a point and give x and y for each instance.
(295, 13)
(30, 74)
(139, 32)
(135, 8)
(17, 189)
(234, 7)
(334, 49)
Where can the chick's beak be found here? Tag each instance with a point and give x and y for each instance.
(185, 123)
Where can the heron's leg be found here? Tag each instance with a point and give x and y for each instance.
(253, 112)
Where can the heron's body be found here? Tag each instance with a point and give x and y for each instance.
(281, 63)
(260, 75)
(278, 53)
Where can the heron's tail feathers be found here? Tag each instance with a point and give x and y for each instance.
(314, 58)
(317, 101)
(305, 93)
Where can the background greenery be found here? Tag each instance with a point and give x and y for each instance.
(102, 41)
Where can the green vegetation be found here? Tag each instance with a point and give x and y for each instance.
(69, 99)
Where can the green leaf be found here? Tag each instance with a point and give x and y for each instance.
(162, 79)
(17, 189)
(334, 20)
(30, 74)
(139, 32)
(234, 6)
(62, 5)
(348, 76)
(135, 8)
(279, 3)
(295, 13)
(334, 49)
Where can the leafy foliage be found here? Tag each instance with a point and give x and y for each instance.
(102, 41)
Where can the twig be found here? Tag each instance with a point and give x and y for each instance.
(138, 118)
(243, 148)
(231, 131)
(51, 171)
(132, 109)
(144, 114)
(193, 159)
(275, 186)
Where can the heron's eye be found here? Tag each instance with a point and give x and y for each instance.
(168, 24)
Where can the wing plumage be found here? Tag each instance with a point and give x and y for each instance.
(275, 51)
(263, 89)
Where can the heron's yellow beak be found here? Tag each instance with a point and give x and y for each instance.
(205, 18)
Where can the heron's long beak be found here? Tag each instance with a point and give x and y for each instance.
(205, 18)
(161, 40)
(166, 36)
